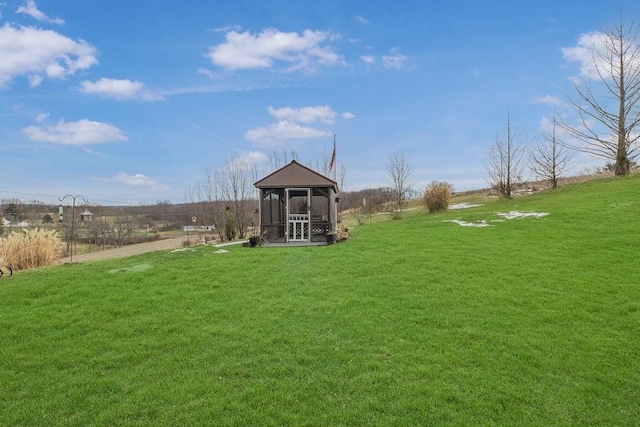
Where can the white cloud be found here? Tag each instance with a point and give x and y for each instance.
(208, 73)
(248, 160)
(37, 53)
(591, 53)
(138, 180)
(299, 51)
(35, 80)
(276, 134)
(361, 20)
(585, 52)
(290, 125)
(549, 100)
(118, 89)
(32, 10)
(322, 113)
(227, 28)
(369, 59)
(394, 60)
(81, 133)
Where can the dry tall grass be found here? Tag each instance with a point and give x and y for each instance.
(437, 196)
(30, 249)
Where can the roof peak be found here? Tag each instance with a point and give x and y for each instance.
(295, 174)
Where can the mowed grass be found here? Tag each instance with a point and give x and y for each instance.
(532, 321)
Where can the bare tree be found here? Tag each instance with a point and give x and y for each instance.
(400, 169)
(609, 113)
(506, 162)
(550, 159)
(341, 172)
(229, 186)
(237, 178)
(278, 159)
(322, 166)
(207, 198)
(123, 227)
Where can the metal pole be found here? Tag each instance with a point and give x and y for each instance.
(73, 216)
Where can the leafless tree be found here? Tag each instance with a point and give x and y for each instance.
(236, 179)
(207, 198)
(229, 186)
(400, 170)
(341, 176)
(550, 159)
(338, 172)
(123, 227)
(506, 162)
(278, 159)
(321, 165)
(608, 105)
(99, 230)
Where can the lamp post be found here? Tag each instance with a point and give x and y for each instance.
(73, 215)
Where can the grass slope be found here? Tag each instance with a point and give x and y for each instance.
(418, 321)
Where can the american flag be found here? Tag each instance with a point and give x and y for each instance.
(333, 156)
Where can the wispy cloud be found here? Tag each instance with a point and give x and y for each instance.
(394, 60)
(37, 53)
(276, 134)
(119, 89)
(292, 125)
(208, 73)
(137, 180)
(80, 133)
(549, 100)
(369, 59)
(272, 48)
(247, 160)
(322, 113)
(361, 20)
(32, 10)
(227, 28)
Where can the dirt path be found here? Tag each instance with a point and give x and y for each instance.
(125, 251)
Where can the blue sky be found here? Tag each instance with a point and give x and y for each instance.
(131, 102)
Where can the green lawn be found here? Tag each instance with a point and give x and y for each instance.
(532, 321)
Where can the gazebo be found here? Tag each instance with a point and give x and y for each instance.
(86, 216)
(297, 206)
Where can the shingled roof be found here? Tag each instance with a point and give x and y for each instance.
(295, 175)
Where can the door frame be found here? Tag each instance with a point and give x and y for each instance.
(304, 223)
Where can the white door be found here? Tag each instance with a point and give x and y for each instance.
(298, 209)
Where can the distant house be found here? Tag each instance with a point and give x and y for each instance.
(8, 224)
(297, 205)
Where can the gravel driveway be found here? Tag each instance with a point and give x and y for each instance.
(129, 250)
